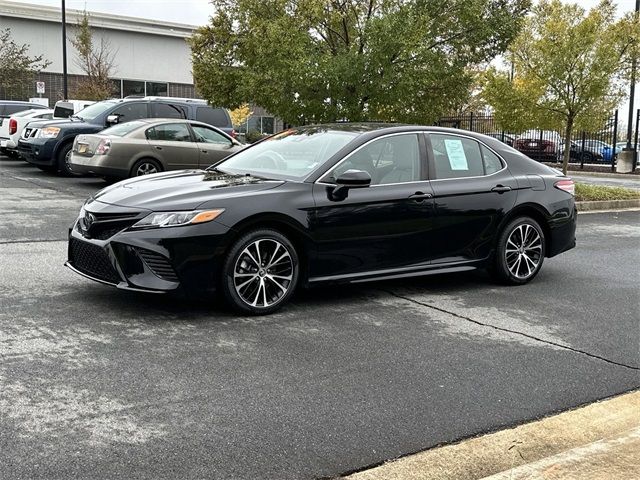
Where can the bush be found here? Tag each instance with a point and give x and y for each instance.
(253, 136)
(596, 192)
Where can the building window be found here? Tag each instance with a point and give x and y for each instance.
(156, 89)
(132, 87)
(267, 126)
(262, 124)
(116, 89)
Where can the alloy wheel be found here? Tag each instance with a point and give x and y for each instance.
(523, 252)
(263, 273)
(146, 169)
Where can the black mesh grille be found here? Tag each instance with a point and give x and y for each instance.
(159, 265)
(92, 260)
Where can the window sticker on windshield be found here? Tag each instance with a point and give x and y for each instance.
(455, 152)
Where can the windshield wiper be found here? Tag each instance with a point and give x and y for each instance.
(76, 117)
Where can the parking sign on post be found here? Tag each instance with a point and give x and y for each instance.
(40, 87)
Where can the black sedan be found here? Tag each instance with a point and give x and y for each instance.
(331, 203)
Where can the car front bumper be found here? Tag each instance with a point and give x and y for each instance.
(38, 151)
(158, 260)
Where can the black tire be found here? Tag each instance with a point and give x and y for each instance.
(243, 279)
(517, 263)
(145, 165)
(62, 161)
(587, 157)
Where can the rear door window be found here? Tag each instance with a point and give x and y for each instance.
(217, 117)
(168, 110)
(456, 157)
(131, 111)
(209, 135)
(170, 132)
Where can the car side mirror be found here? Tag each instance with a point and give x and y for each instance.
(113, 119)
(348, 180)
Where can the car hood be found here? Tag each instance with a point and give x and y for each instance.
(181, 190)
(51, 123)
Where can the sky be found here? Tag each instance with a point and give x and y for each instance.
(197, 12)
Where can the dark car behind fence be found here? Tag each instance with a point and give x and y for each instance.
(587, 147)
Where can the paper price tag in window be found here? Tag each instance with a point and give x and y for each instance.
(455, 152)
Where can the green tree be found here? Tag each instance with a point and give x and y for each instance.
(326, 60)
(16, 67)
(97, 61)
(568, 66)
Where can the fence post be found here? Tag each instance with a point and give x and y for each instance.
(615, 139)
(540, 148)
(471, 122)
(635, 142)
(584, 139)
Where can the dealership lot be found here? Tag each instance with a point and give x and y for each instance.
(101, 383)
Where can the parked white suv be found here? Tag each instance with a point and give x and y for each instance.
(11, 128)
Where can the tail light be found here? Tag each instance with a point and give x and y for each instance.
(103, 147)
(566, 185)
(234, 134)
(13, 126)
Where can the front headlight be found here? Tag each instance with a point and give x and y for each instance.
(49, 132)
(175, 219)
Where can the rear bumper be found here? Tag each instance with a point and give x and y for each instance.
(563, 230)
(99, 165)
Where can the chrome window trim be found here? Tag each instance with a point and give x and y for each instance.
(502, 160)
(413, 132)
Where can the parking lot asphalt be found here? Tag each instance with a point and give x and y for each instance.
(99, 383)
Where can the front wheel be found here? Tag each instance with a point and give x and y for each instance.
(64, 161)
(260, 272)
(520, 251)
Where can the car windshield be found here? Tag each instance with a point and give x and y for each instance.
(123, 129)
(95, 110)
(292, 154)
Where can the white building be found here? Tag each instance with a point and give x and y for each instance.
(151, 57)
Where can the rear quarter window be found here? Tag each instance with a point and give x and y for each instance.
(218, 117)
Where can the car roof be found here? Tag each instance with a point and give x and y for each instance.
(375, 129)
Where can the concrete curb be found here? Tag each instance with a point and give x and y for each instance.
(568, 441)
(608, 205)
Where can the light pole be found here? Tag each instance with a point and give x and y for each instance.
(632, 92)
(627, 158)
(64, 52)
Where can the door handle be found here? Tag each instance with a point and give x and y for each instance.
(158, 148)
(501, 189)
(420, 196)
(203, 151)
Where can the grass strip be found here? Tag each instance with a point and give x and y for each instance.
(588, 193)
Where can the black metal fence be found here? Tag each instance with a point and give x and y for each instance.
(600, 146)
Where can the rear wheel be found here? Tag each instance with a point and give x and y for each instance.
(145, 166)
(587, 157)
(260, 272)
(520, 252)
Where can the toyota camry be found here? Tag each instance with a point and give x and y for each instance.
(338, 203)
